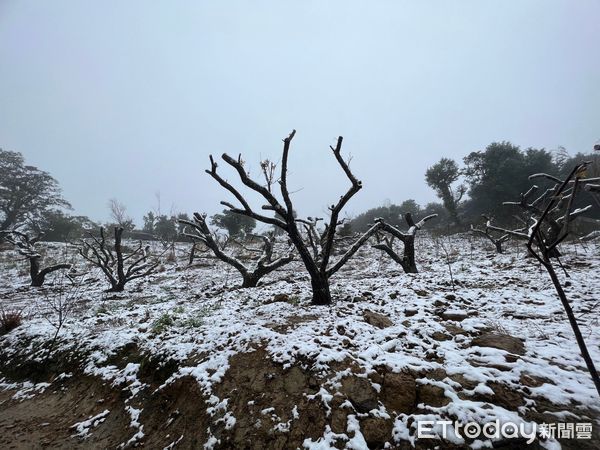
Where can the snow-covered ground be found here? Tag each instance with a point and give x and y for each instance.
(451, 337)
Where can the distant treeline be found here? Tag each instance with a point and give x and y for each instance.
(31, 198)
(486, 179)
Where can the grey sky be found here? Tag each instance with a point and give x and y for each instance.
(123, 99)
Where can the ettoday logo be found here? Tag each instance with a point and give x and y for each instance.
(432, 429)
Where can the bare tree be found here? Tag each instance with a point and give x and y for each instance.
(550, 228)
(118, 213)
(317, 264)
(488, 233)
(250, 275)
(118, 266)
(386, 244)
(533, 208)
(26, 246)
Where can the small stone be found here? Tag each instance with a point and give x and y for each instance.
(338, 415)
(439, 336)
(533, 380)
(455, 315)
(376, 319)
(281, 298)
(376, 431)
(294, 381)
(504, 342)
(454, 329)
(361, 393)
(409, 312)
(399, 392)
(432, 395)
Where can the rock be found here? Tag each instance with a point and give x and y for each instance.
(294, 381)
(500, 341)
(466, 383)
(531, 380)
(421, 292)
(339, 415)
(409, 312)
(505, 396)
(439, 336)
(376, 319)
(454, 329)
(436, 374)
(450, 297)
(394, 295)
(376, 431)
(453, 314)
(280, 298)
(431, 395)
(399, 392)
(361, 393)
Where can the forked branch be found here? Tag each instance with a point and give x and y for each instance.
(250, 275)
(119, 266)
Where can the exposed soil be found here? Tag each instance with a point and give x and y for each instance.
(261, 394)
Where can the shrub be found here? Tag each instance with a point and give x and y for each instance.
(9, 320)
(162, 323)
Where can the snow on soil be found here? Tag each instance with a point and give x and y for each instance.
(196, 314)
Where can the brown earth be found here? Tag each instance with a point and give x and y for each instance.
(260, 393)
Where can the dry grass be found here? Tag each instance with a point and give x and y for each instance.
(9, 320)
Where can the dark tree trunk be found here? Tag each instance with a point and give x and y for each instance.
(34, 271)
(409, 266)
(39, 276)
(38, 280)
(117, 287)
(318, 280)
(192, 254)
(407, 261)
(251, 280)
(498, 245)
(320, 289)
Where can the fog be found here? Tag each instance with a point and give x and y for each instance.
(127, 99)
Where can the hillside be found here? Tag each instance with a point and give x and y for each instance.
(184, 359)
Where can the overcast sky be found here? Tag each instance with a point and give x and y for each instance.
(125, 99)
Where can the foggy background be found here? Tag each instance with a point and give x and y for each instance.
(125, 99)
